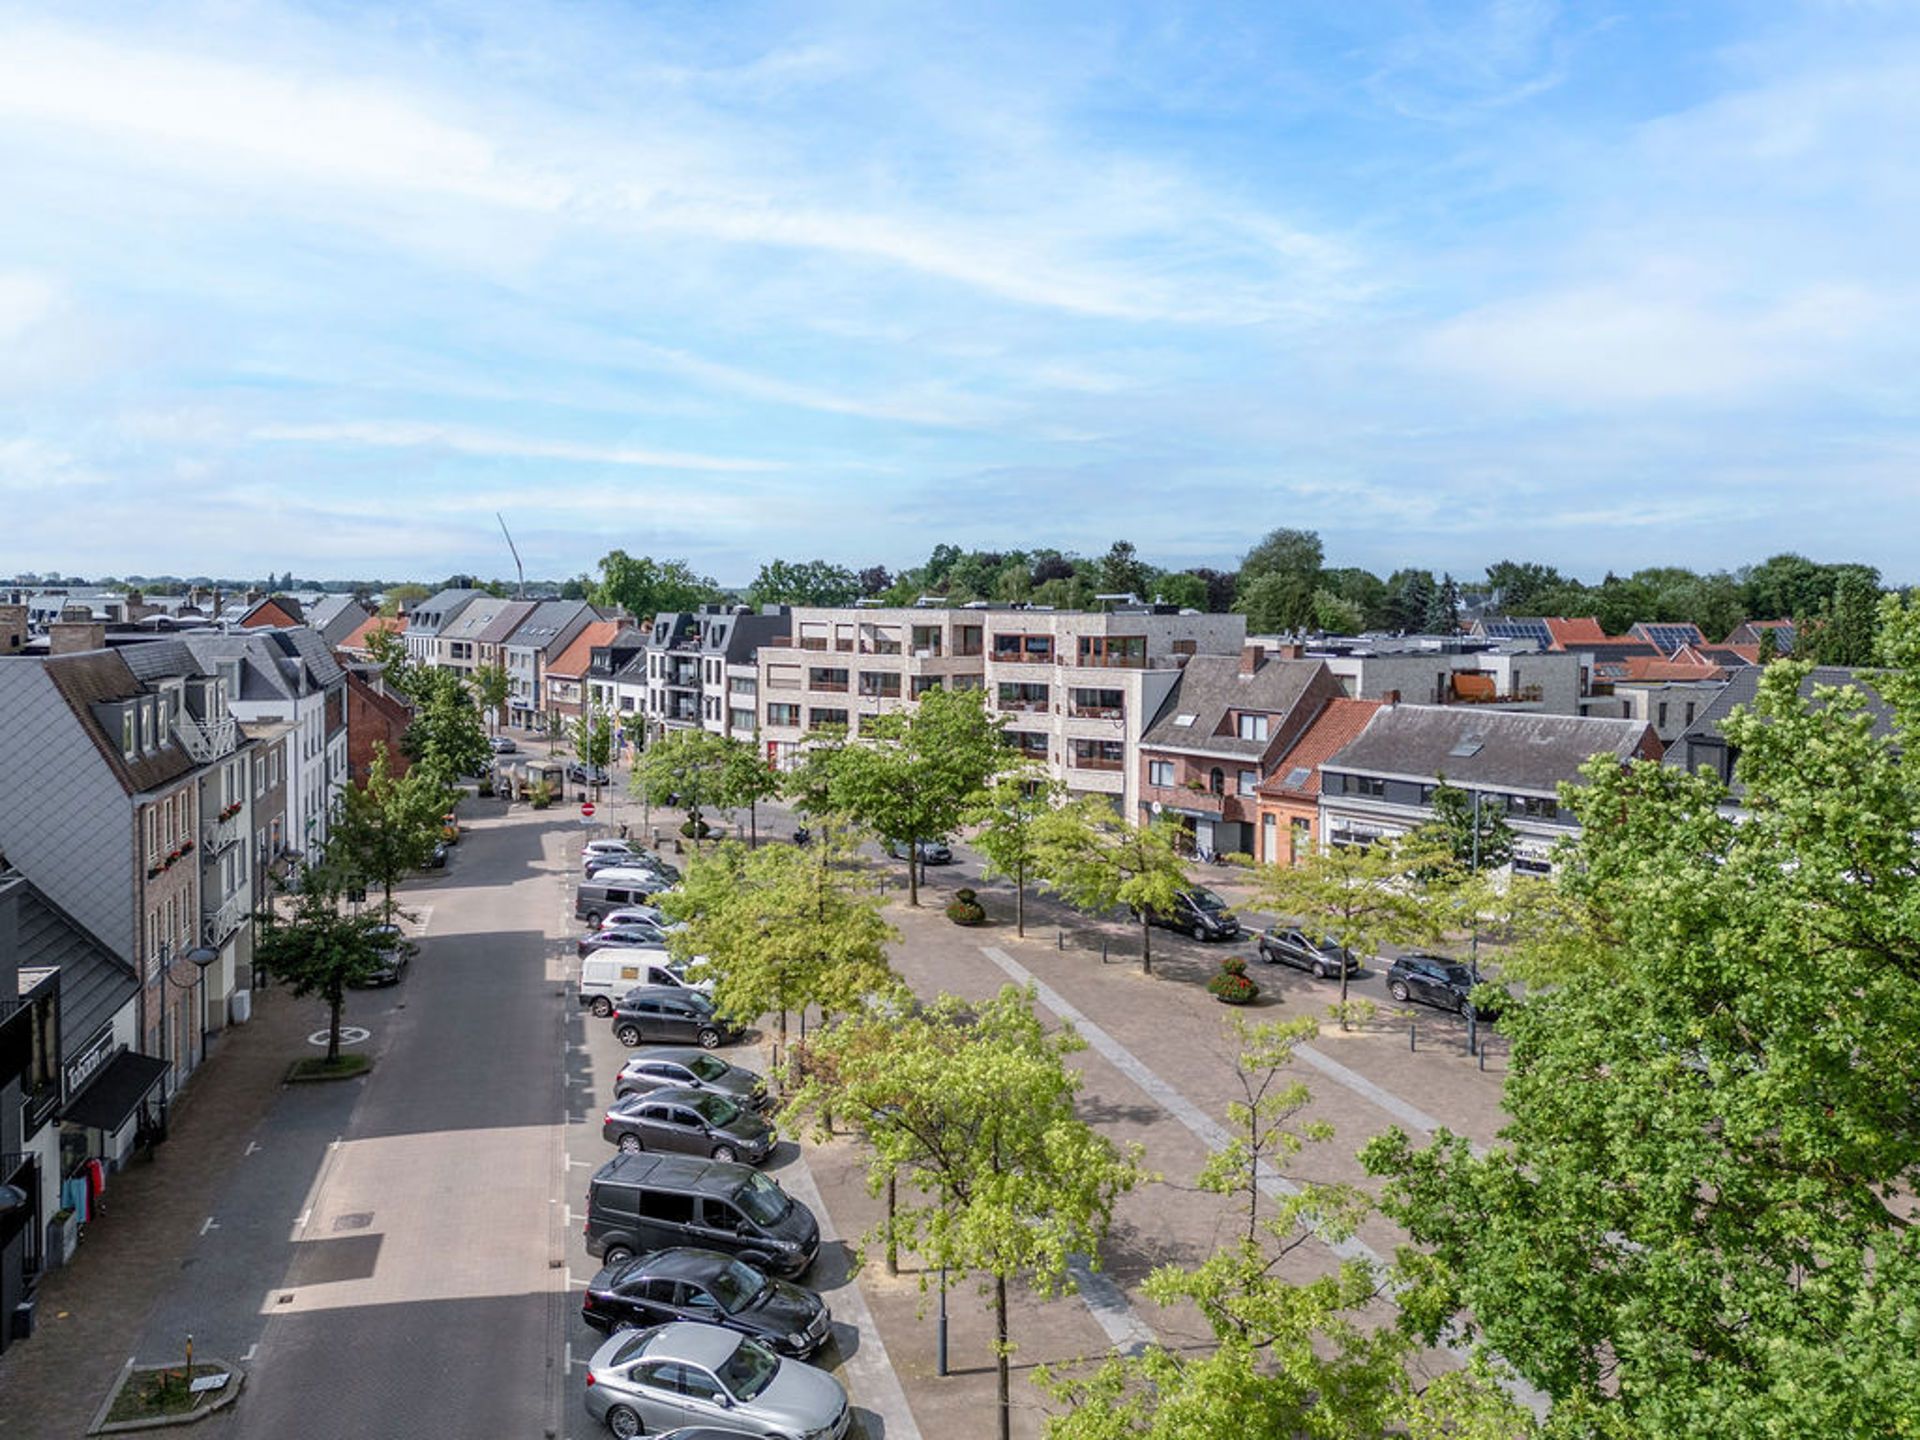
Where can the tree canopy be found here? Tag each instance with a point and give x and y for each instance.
(1097, 859)
(645, 587)
(805, 582)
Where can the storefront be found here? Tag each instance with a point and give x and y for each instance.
(114, 1102)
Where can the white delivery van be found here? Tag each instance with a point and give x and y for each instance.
(606, 975)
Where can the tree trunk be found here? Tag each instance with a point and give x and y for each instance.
(893, 1245)
(334, 1004)
(1020, 900)
(1343, 988)
(753, 824)
(913, 872)
(1001, 1358)
(1146, 944)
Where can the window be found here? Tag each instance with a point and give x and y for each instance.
(1217, 780)
(1253, 727)
(779, 714)
(1661, 722)
(1160, 772)
(1248, 781)
(666, 1205)
(923, 683)
(1099, 754)
(1365, 785)
(817, 717)
(127, 734)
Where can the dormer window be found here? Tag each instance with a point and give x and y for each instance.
(1253, 727)
(129, 739)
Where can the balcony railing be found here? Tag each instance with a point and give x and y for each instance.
(220, 922)
(831, 687)
(1095, 762)
(881, 647)
(1098, 712)
(1039, 707)
(216, 835)
(205, 742)
(1182, 797)
(1525, 695)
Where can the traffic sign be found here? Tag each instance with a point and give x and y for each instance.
(586, 809)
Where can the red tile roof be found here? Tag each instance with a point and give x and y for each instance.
(394, 624)
(1646, 667)
(572, 662)
(1567, 632)
(1338, 722)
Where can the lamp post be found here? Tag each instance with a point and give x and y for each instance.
(202, 956)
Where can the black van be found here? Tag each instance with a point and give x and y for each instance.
(637, 1203)
(593, 899)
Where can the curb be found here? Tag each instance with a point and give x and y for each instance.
(228, 1393)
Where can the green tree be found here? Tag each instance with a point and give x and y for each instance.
(593, 742)
(1409, 597)
(1363, 589)
(1277, 580)
(645, 587)
(1003, 1191)
(1097, 859)
(782, 928)
(807, 582)
(490, 690)
(1443, 612)
(387, 650)
(1185, 589)
(746, 779)
(1452, 829)
(1008, 815)
(914, 773)
(1123, 572)
(319, 949)
(445, 736)
(1696, 1222)
(1335, 615)
(1519, 582)
(403, 597)
(1844, 630)
(1362, 897)
(388, 826)
(685, 770)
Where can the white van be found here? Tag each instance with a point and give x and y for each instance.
(607, 975)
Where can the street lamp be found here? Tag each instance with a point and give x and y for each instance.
(202, 956)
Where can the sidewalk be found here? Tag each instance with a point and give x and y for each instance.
(92, 1311)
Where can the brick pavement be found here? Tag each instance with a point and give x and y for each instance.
(92, 1311)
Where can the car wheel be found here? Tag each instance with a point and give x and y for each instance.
(616, 1256)
(602, 1006)
(1398, 990)
(593, 919)
(1199, 932)
(621, 1092)
(630, 1144)
(1461, 1006)
(624, 1422)
(725, 1154)
(709, 1038)
(628, 1035)
(1322, 972)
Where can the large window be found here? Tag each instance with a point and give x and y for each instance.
(1160, 772)
(818, 717)
(1023, 697)
(1248, 782)
(1117, 651)
(834, 681)
(1024, 649)
(882, 683)
(779, 714)
(1253, 727)
(1099, 755)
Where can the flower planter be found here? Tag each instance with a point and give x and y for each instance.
(1232, 985)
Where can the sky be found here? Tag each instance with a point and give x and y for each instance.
(322, 287)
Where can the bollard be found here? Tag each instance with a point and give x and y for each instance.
(1059, 939)
(1103, 949)
(1410, 1040)
(1473, 1033)
(1483, 1059)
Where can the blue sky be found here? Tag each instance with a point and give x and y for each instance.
(322, 287)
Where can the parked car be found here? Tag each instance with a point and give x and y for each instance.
(1200, 913)
(1438, 981)
(610, 847)
(637, 1203)
(395, 951)
(662, 1013)
(580, 774)
(678, 1068)
(608, 976)
(689, 1122)
(1302, 949)
(503, 745)
(688, 1374)
(640, 864)
(639, 915)
(931, 852)
(636, 934)
(595, 899)
(686, 1283)
(438, 859)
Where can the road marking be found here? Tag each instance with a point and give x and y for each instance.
(247, 1359)
(1407, 1114)
(573, 1164)
(573, 1280)
(1128, 1332)
(871, 1374)
(211, 1224)
(252, 1145)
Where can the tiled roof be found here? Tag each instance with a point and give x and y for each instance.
(1645, 667)
(549, 621)
(507, 621)
(1211, 688)
(1337, 724)
(1740, 689)
(1568, 634)
(572, 662)
(393, 624)
(1470, 745)
(95, 677)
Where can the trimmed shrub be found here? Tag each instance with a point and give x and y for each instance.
(965, 908)
(687, 830)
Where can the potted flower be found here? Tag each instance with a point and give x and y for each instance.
(1232, 985)
(965, 908)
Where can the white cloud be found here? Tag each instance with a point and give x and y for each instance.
(467, 440)
(26, 299)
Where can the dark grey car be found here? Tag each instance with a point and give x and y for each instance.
(1290, 945)
(689, 1122)
(670, 1014)
(680, 1068)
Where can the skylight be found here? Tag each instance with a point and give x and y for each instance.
(1467, 746)
(1298, 776)
(1184, 720)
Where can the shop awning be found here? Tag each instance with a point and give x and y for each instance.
(116, 1092)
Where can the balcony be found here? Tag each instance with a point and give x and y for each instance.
(881, 647)
(1098, 712)
(204, 741)
(1095, 762)
(217, 834)
(218, 924)
(1185, 799)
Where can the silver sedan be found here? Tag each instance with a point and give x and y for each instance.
(687, 1373)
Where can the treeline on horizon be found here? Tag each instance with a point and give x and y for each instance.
(1282, 584)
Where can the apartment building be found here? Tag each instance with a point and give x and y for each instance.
(536, 642)
(701, 670)
(469, 640)
(1077, 688)
(1502, 674)
(432, 615)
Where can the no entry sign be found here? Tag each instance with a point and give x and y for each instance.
(586, 809)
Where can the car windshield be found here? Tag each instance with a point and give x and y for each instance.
(765, 1202)
(748, 1371)
(705, 1067)
(1207, 900)
(716, 1109)
(736, 1286)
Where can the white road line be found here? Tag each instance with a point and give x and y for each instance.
(252, 1145)
(210, 1224)
(573, 1164)
(1407, 1114)
(1128, 1332)
(870, 1374)
(247, 1359)
(573, 1280)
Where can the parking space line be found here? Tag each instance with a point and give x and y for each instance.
(1406, 1113)
(1128, 1332)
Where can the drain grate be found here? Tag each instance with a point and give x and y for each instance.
(357, 1220)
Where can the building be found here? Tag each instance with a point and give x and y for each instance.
(1077, 687)
(566, 674)
(607, 663)
(1288, 800)
(335, 617)
(701, 669)
(1668, 694)
(375, 716)
(533, 646)
(1380, 784)
(1217, 736)
(427, 619)
(354, 644)
(290, 675)
(459, 643)
(1504, 674)
(1704, 744)
(1748, 632)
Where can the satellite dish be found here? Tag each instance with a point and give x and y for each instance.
(1156, 807)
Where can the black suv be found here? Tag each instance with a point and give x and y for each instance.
(1201, 914)
(689, 1284)
(1435, 980)
(671, 1015)
(1290, 945)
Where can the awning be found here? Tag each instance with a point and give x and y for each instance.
(116, 1092)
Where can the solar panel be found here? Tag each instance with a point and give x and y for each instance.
(1509, 628)
(1670, 637)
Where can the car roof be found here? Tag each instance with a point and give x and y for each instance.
(678, 1172)
(689, 1340)
(657, 992)
(682, 1262)
(678, 1054)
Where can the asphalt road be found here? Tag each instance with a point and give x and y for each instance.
(403, 1226)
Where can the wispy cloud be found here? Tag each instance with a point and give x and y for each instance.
(461, 440)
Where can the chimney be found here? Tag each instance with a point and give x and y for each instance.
(1251, 657)
(1392, 697)
(254, 595)
(13, 629)
(70, 637)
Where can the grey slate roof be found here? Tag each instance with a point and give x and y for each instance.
(738, 635)
(551, 626)
(93, 677)
(1518, 751)
(1209, 688)
(1703, 743)
(474, 619)
(336, 617)
(276, 664)
(512, 612)
(158, 659)
(434, 613)
(94, 982)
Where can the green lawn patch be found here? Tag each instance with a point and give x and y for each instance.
(345, 1068)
